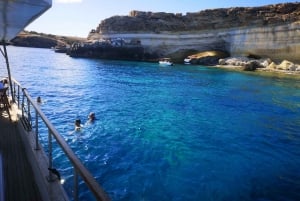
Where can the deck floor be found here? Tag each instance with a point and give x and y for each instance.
(18, 179)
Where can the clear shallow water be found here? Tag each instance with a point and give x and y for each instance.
(170, 133)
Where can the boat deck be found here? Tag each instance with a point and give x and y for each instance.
(18, 181)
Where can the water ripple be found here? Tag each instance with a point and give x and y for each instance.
(180, 133)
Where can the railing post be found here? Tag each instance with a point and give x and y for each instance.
(23, 102)
(50, 177)
(37, 147)
(13, 91)
(14, 87)
(18, 97)
(76, 198)
(28, 112)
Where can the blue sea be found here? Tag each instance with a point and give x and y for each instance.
(180, 133)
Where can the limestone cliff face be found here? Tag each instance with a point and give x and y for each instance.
(276, 42)
(270, 31)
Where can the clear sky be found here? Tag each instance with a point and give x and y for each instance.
(78, 17)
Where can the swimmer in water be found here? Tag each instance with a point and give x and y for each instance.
(92, 117)
(77, 124)
(39, 100)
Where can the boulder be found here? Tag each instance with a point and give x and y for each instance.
(264, 63)
(293, 67)
(222, 61)
(272, 66)
(208, 57)
(235, 61)
(285, 65)
(251, 66)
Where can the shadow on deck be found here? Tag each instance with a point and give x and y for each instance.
(18, 181)
(24, 168)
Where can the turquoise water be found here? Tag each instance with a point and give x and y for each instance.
(179, 133)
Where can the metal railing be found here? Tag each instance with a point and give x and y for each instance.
(28, 105)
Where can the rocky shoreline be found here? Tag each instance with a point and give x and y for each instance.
(262, 39)
(261, 65)
(263, 71)
(217, 59)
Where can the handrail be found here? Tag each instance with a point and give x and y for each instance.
(90, 181)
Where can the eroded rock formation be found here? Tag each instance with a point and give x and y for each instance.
(271, 31)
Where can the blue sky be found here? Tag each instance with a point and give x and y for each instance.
(78, 17)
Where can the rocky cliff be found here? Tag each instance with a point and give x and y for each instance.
(40, 40)
(269, 31)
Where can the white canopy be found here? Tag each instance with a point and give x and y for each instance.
(15, 15)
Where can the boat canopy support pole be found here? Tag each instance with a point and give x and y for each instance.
(5, 55)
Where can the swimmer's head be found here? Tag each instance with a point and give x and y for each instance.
(39, 100)
(92, 116)
(77, 123)
(4, 81)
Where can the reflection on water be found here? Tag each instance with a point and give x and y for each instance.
(175, 133)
